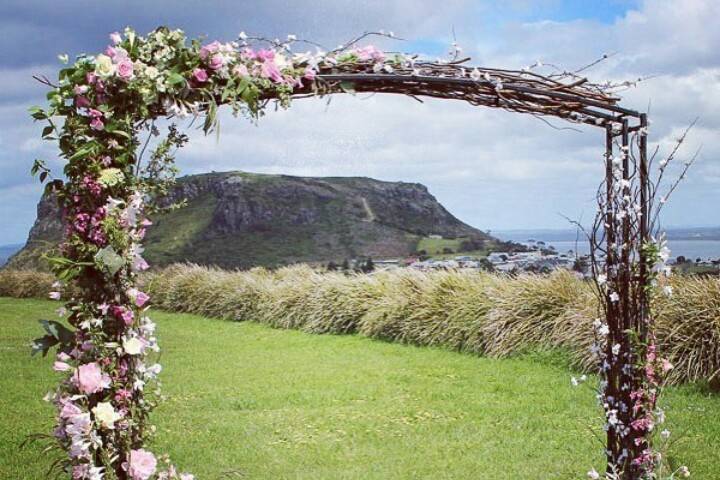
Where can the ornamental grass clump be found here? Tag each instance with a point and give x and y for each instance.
(25, 283)
(395, 293)
(339, 302)
(525, 311)
(688, 328)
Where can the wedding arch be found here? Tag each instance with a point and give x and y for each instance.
(102, 103)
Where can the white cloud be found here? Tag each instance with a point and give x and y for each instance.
(491, 168)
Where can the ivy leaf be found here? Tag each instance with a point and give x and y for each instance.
(108, 258)
(57, 334)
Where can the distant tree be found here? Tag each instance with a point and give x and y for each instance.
(422, 252)
(486, 265)
(680, 259)
(332, 266)
(345, 265)
(368, 266)
(579, 265)
(698, 260)
(448, 250)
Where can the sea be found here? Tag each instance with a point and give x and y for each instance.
(692, 243)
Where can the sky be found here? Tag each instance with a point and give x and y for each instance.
(493, 169)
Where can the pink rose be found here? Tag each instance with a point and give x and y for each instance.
(115, 38)
(89, 378)
(209, 49)
(200, 75)
(216, 62)
(125, 69)
(141, 464)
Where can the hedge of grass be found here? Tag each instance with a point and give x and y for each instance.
(491, 315)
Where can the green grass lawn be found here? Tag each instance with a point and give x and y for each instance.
(277, 404)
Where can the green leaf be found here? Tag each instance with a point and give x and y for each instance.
(108, 258)
(47, 131)
(57, 334)
(347, 87)
(175, 79)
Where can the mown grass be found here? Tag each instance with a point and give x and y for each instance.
(279, 404)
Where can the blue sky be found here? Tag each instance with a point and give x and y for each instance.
(493, 169)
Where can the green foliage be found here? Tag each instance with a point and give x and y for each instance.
(331, 407)
(492, 315)
(57, 336)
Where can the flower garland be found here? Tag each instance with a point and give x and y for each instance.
(109, 389)
(104, 102)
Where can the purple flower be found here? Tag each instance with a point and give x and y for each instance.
(115, 38)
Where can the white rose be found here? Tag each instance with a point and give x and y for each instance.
(133, 346)
(151, 72)
(281, 61)
(106, 415)
(104, 66)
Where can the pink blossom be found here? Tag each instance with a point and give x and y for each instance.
(248, 54)
(216, 62)
(61, 366)
(309, 74)
(115, 38)
(69, 410)
(80, 472)
(666, 365)
(97, 124)
(80, 89)
(141, 298)
(110, 52)
(89, 378)
(125, 69)
(90, 78)
(370, 53)
(126, 315)
(200, 75)
(54, 295)
(270, 70)
(241, 70)
(81, 101)
(209, 49)
(265, 55)
(141, 464)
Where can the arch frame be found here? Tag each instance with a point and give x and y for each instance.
(106, 100)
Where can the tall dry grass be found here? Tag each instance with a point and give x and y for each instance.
(467, 311)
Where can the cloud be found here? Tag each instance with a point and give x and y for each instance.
(491, 168)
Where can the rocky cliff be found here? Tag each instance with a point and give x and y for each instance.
(238, 219)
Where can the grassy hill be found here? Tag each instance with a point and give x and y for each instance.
(267, 403)
(239, 219)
